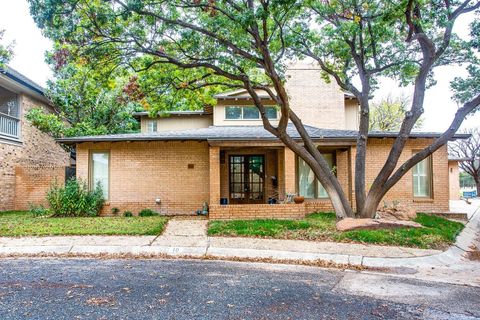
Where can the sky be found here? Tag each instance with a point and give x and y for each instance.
(31, 46)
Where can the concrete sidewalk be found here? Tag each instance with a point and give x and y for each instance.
(188, 238)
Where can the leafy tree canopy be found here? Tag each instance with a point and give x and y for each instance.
(6, 51)
(204, 44)
(388, 114)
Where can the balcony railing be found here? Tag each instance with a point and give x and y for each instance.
(9, 126)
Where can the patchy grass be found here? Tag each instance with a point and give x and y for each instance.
(22, 223)
(438, 233)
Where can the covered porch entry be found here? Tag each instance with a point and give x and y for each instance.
(251, 181)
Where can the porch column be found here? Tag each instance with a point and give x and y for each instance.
(289, 171)
(214, 175)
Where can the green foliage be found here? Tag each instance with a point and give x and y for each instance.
(147, 213)
(38, 211)
(466, 180)
(388, 114)
(115, 211)
(21, 223)
(467, 88)
(6, 51)
(128, 214)
(87, 103)
(74, 199)
(438, 232)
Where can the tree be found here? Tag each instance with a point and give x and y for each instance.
(228, 42)
(86, 103)
(6, 51)
(387, 114)
(466, 180)
(470, 151)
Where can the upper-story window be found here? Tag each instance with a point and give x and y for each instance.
(9, 114)
(248, 113)
(151, 126)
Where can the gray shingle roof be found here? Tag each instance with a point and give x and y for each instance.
(23, 80)
(238, 133)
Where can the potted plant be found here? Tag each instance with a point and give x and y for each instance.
(298, 199)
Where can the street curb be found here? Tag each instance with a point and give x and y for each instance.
(454, 255)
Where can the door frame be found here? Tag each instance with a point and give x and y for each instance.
(246, 199)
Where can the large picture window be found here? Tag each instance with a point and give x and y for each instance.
(422, 179)
(248, 113)
(99, 171)
(9, 114)
(308, 185)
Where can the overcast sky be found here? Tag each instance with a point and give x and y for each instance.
(30, 50)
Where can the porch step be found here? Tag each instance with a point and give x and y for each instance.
(450, 215)
(188, 217)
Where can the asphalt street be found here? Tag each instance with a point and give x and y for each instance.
(193, 289)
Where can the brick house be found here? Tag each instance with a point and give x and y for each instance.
(29, 159)
(223, 156)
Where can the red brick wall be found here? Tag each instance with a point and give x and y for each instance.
(257, 211)
(377, 152)
(34, 149)
(141, 172)
(33, 182)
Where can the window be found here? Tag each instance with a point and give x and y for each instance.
(422, 179)
(308, 185)
(9, 114)
(151, 126)
(99, 171)
(248, 113)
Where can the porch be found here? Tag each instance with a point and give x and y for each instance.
(252, 182)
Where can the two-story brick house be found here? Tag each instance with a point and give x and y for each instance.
(224, 156)
(29, 159)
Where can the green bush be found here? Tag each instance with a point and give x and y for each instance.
(115, 211)
(75, 200)
(128, 214)
(147, 213)
(38, 211)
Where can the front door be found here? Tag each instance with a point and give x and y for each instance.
(247, 175)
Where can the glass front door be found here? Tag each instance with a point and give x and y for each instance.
(247, 176)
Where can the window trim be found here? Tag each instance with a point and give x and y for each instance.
(430, 176)
(18, 137)
(244, 106)
(147, 124)
(316, 182)
(90, 169)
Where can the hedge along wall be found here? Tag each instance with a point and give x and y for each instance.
(33, 182)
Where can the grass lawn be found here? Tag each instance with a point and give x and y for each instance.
(22, 223)
(438, 233)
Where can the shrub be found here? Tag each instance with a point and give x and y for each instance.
(74, 199)
(38, 211)
(115, 211)
(147, 213)
(128, 214)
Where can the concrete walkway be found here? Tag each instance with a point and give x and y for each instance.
(188, 238)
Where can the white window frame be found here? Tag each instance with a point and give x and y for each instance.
(151, 126)
(242, 108)
(417, 176)
(319, 190)
(17, 119)
(91, 182)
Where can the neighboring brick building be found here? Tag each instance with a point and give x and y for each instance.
(226, 158)
(29, 159)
